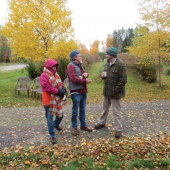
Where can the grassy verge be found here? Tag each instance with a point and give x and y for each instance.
(95, 88)
(136, 90)
(7, 98)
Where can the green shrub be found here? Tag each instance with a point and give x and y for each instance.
(96, 58)
(34, 69)
(167, 62)
(31, 69)
(128, 59)
(102, 55)
(147, 70)
(62, 65)
(167, 71)
(87, 61)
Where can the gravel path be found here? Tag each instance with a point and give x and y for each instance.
(27, 126)
(12, 67)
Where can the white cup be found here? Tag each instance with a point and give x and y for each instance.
(104, 74)
(64, 98)
(80, 77)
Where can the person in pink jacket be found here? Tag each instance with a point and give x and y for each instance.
(53, 92)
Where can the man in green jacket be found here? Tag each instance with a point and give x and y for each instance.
(115, 78)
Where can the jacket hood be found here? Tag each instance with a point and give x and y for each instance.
(50, 63)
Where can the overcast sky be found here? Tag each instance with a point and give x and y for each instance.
(94, 19)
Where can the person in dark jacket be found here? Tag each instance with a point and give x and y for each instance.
(115, 78)
(53, 92)
(78, 80)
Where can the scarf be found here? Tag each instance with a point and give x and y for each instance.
(56, 102)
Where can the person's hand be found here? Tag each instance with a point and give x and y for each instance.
(88, 80)
(85, 75)
(62, 91)
(104, 74)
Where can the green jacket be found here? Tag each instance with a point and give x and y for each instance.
(114, 83)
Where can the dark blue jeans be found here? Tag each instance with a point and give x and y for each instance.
(50, 122)
(79, 106)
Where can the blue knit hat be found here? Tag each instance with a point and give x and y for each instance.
(112, 51)
(74, 53)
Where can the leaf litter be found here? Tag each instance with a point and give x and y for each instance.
(146, 131)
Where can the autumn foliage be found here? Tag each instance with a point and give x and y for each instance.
(152, 36)
(39, 29)
(100, 151)
(95, 47)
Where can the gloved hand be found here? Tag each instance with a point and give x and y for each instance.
(62, 91)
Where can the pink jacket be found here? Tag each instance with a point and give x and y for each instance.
(46, 86)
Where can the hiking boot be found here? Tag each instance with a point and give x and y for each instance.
(53, 140)
(99, 126)
(86, 128)
(58, 128)
(74, 131)
(118, 134)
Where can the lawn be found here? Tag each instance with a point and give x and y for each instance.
(106, 154)
(7, 98)
(136, 90)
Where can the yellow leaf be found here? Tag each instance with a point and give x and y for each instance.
(27, 162)
(44, 162)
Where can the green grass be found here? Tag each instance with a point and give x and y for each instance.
(7, 98)
(136, 90)
(30, 160)
(86, 163)
(95, 88)
(113, 162)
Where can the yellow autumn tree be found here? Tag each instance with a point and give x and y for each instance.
(109, 41)
(82, 48)
(95, 47)
(39, 29)
(153, 33)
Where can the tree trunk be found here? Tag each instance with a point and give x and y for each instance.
(159, 72)
(160, 83)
